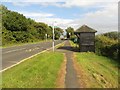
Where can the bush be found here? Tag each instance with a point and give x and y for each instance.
(107, 47)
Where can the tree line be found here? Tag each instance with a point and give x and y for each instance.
(16, 28)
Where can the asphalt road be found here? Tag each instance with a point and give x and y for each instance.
(15, 54)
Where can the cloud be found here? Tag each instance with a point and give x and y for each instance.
(35, 14)
(102, 20)
(86, 3)
(48, 18)
(21, 4)
(66, 3)
(63, 23)
(33, 1)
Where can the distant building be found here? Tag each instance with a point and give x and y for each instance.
(86, 37)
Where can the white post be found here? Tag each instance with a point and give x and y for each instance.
(46, 36)
(53, 37)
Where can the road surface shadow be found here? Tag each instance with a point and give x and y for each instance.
(69, 48)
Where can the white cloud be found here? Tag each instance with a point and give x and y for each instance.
(86, 3)
(33, 1)
(21, 4)
(67, 3)
(48, 18)
(103, 20)
(63, 23)
(35, 14)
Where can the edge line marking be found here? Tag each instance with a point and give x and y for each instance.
(29, 58)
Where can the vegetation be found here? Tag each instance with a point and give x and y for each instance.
(20, 44)
(37, 72)
(113, 35)
(97, 71)
(74, 45)
(58, 32)
(16, 28)
(107, 45)
(70, 32)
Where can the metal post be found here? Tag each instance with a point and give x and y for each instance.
(69, 35)
(46, 36)
(53, 37)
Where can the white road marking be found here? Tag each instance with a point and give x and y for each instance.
(28, 58)
(13, 50)
(29, 50)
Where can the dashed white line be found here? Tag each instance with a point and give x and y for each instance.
(13, 50)
(29, 58)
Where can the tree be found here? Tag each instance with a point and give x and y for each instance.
(58, 32)
(42, 29)
(14, 21)
(69, 32)
(114, 35)
(19, 29)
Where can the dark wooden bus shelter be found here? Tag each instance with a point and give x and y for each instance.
(86, 38)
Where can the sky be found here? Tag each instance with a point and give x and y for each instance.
(101, 15)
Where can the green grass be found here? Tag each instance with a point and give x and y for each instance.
(73, 44)
(40, 71)
(99, 71)
(20, 44)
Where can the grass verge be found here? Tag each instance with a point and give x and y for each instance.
(97, 71)
(20, 44)
(40, 71)
(74, 45)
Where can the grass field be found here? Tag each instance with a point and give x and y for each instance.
(97, 71)
(40, 71)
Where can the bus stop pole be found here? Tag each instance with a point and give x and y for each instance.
(53, 38)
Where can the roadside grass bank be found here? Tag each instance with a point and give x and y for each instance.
(74, 45)
(40, 71)
(60, 45)
(96, 71)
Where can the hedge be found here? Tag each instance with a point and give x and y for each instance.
(107, 47)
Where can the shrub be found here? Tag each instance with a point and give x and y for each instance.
(107, 47)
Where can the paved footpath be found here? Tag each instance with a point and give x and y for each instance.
(71, 80)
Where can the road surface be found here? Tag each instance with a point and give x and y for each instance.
(12, 55)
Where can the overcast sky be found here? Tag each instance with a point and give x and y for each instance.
(101, 15)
